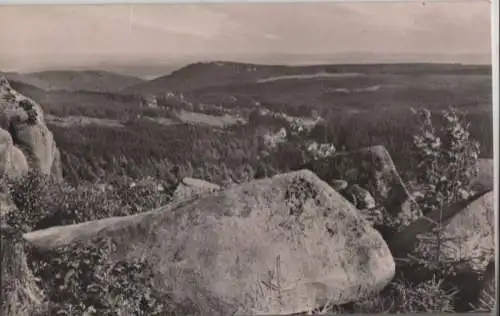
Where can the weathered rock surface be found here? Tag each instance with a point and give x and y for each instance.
(468, 233)
(485, 176)
(190, 188)
(24, 119)
(360, 197)
(12, 161)
(280, 245)
(373, 169)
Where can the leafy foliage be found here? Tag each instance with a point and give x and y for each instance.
(83, 280)
(428, 297)
(42, 203)
(447, 164)
(29, 194)
(97, 153)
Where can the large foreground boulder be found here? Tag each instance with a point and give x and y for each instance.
(190, 188)
(468, 233)
(24, 119)
(280, 245)
(373, 169)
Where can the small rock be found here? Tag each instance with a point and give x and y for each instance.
(339, 185)
(373, 169)
(360, 197)
(190, 188)
(483, 180)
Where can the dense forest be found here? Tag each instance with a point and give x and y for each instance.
(150, 149)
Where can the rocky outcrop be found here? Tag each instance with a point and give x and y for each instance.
(279, 245)
(13, 164)
(190, 188)
(468, 233)
(373, 169)
(24, 119)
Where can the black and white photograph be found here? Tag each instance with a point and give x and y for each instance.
(248, 158)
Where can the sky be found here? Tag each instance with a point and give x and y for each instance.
(45, 37)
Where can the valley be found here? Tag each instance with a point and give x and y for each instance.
(263, 151)
(359, 105)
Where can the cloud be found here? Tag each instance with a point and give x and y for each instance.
(86, 34)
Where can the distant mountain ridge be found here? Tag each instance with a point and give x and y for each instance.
(219, 73)
(71, 80)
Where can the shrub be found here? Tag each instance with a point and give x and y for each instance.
(447, 163)
(80, 279)
(83, 280)
(446, 166)
(430, 296)
(28, 194)
(141, 195)
(402, 296)
(319, 151)
(42, 203)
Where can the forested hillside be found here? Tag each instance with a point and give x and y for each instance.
(371, 107)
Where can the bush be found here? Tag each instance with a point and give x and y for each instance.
(141, 195)
(402, 296)
(43, 204)
(446, 167)
(30, 195)
(428, 297)
(80, 279)
(447, 163)
(83, 280)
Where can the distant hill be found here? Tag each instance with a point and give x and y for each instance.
(96, 81)
(211, 74)
(61, 103)
(28, 90)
